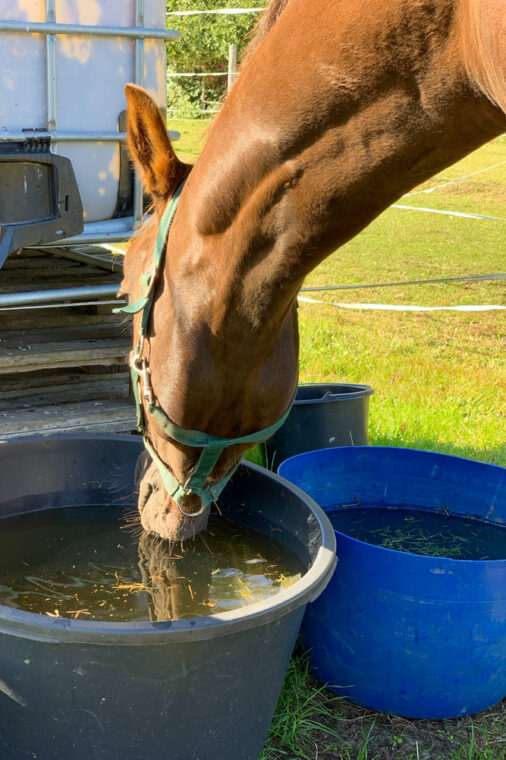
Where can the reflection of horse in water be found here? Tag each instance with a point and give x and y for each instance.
(340, 107)
(177, 583)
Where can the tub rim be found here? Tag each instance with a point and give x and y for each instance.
(353, 391)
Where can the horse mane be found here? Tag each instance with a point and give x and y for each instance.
(482, 30)
(265, 24)
(482, 27)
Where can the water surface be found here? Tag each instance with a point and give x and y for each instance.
(84, 563)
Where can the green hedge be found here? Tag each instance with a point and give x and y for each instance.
(204, 47)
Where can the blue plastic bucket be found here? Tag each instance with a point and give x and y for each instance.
(402, 633)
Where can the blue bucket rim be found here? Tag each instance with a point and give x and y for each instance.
(336, 450)
(374, 548)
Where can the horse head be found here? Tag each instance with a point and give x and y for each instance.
(212, 378)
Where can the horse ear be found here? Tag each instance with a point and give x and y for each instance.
(150, 147)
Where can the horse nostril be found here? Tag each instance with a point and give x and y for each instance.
(145, 491)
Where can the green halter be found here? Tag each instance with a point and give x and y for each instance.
(212, 446)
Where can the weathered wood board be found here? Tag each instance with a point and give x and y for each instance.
(62, 369)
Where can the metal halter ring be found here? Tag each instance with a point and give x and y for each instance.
(137, 355)
(190, 514)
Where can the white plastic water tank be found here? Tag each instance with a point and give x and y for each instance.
(90, 74)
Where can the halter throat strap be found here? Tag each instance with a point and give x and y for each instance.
(212, 446)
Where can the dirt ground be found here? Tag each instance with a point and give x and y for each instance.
(368, 735)
(479, 736)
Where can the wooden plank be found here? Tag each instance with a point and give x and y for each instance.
(108, 387)
(52, 379)
(11, 340)
(69, 346)
(32, 260)
(34, 274)
(26, 263)
(62, 370)
(118, 427)
(15, 259)
(41, 379)
(105, 352)
(59, 257)
(31, 271)
(99, 416)
(20, 253)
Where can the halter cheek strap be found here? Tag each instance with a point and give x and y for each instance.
(212, 446)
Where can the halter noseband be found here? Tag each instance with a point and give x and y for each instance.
(212, 446)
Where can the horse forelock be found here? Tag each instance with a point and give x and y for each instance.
(483, 35)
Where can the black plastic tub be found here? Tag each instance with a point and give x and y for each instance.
(194, 689)
(322, 416)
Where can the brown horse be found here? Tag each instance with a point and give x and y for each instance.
(340, 108)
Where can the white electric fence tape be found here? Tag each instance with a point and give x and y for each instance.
(216, 12)
(453, 181)
(396, 307)
(449, 213)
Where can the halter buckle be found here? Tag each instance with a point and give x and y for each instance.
(147, 390)
(141, 368)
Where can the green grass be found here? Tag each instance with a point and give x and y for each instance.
(438, 378)
(411, 245)
(311, 723)
(439, 381)
(192, 139)
(302, 710)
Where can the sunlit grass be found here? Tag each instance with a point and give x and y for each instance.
(439, 378)
(192, 139)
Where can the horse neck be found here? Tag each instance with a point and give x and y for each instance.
(334, 117)
(324, 129)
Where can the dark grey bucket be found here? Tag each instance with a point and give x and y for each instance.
(194, 689)
(322, 416)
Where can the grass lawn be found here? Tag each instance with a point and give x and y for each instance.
(439, 380)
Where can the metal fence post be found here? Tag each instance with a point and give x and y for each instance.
(51, 68)
(232, 65)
